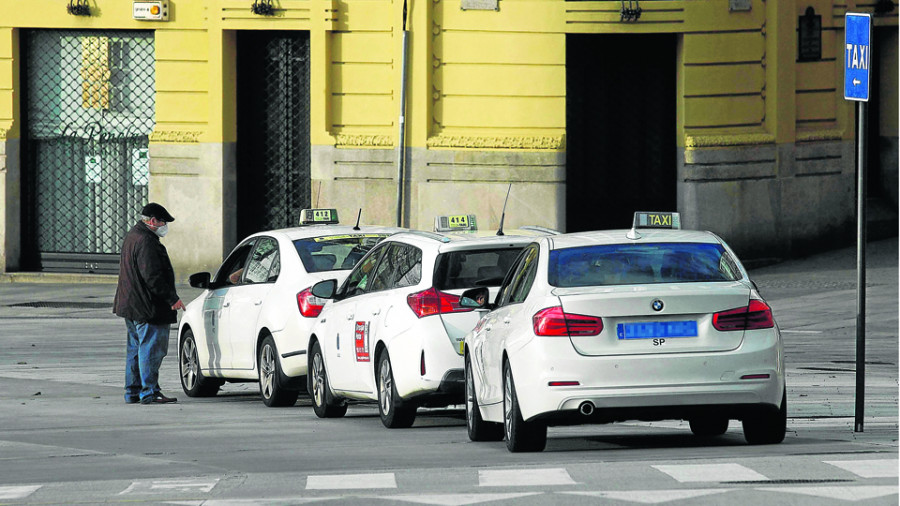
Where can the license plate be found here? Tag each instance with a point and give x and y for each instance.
(648, 330)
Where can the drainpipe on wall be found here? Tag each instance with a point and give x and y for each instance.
(401, 163)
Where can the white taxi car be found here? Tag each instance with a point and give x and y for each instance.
(642, 324)
(252, 321)
(393, 332)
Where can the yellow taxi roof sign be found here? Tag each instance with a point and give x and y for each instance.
(455, 223)
(644, 219)
(318, 217)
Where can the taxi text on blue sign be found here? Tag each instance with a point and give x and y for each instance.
(857, 52)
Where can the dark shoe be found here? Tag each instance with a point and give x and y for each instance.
(158, 398)
(132, 400)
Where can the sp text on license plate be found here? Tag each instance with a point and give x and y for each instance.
(650, 330)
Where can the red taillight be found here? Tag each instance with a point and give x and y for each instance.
(431, 301)
(310, 306)
(552, 321)
(757, 315)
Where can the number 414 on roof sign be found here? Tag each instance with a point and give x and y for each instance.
(857, 53)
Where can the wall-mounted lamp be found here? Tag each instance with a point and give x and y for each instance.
(79, 8)
(631, 13)
(263, 8)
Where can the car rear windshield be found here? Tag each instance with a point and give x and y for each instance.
(335, 252)
(471, 268)
(632, 264)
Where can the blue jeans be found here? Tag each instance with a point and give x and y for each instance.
(147, 345)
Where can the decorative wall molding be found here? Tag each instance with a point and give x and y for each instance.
(529, 142)
(820, 135)
(363, 141)
(183, 136)
(3, 133)
(710, 141)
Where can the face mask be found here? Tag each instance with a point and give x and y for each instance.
(162, 231)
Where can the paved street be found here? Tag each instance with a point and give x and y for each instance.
(67, 437)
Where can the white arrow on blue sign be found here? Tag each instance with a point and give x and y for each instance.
(857, 53)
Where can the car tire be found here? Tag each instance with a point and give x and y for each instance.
(521, 436)
(709, 426)
(273, 392)
(478, 429)
(767, 427)
(193, 382)
(324, 403)
(395, 413)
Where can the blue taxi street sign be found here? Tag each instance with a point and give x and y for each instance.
(857, 52)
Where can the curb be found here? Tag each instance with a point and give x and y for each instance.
(58, 278)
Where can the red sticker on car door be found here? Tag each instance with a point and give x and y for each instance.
(362, 341)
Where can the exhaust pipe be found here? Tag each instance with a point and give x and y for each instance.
(586, 408)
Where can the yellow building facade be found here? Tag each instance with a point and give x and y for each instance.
(730, 111)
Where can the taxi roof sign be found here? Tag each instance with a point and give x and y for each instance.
(455, 223)
(643, 219)
(318, 217)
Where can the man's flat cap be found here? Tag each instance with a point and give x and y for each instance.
(154, 210)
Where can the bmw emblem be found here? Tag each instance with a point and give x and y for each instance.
(657, 305)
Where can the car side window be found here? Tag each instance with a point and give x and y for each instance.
(232, 269)
(401, 266)
(522, 282)
(511, 276)
(261, 261)
(361, 275)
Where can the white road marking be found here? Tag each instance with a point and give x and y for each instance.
(350, 481)
(283, 501)
(685, 473)
(844, 493)
(204, 485)
(654, 496)
(801, 331)
(456, 499)
(17, 491)
(524, 477)
(881, 468)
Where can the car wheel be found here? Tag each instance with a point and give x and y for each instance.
(479, 430)
(709, 427)
(324, 403)
(395, 414)
(270, 387)
(521, 436)
(193, 382)
(767, 427)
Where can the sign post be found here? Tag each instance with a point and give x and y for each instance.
(857, 59)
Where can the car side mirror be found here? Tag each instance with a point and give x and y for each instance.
(475, 298)
(325, 289)
(200, 280)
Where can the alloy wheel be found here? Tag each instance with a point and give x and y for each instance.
(507, 405)
(318, 380)
(470, 397)
(189, 365)
(267, 372)
(385, 386)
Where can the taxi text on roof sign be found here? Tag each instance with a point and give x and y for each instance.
(657, 220)
(318, 216)
(455, 223)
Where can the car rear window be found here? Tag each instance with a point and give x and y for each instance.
(471, 268)
(336, 252)
(632, 264)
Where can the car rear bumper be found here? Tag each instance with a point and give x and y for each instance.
(651, 386)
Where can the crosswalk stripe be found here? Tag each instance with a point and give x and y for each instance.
(880, 468)
(685, 473)
(653, 496)
(350, 481)
(282, 501)
(175, 484)
(855, 493)
(457, 499)
(18, 491)
(524, 477)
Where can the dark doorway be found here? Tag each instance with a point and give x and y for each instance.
(620, 128)
(273, 147)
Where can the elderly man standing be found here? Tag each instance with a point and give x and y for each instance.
(147, 300)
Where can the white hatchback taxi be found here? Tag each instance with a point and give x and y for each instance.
(644, 324)
(252, 321)
(393, 332)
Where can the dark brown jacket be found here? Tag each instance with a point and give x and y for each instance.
(146, 290)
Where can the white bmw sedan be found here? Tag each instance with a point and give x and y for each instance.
(641, 324)
(252, 322)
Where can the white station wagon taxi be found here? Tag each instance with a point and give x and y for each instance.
(252, 321)
(394, 329)
(644, 324)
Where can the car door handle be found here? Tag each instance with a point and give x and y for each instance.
(350, 316)
(257, 303)
(376, 312)
(226, 304)
(487, 328)
(506, 321)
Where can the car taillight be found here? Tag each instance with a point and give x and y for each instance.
(431, 301)
(310, 306)
(552, 321)
(757, 315)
